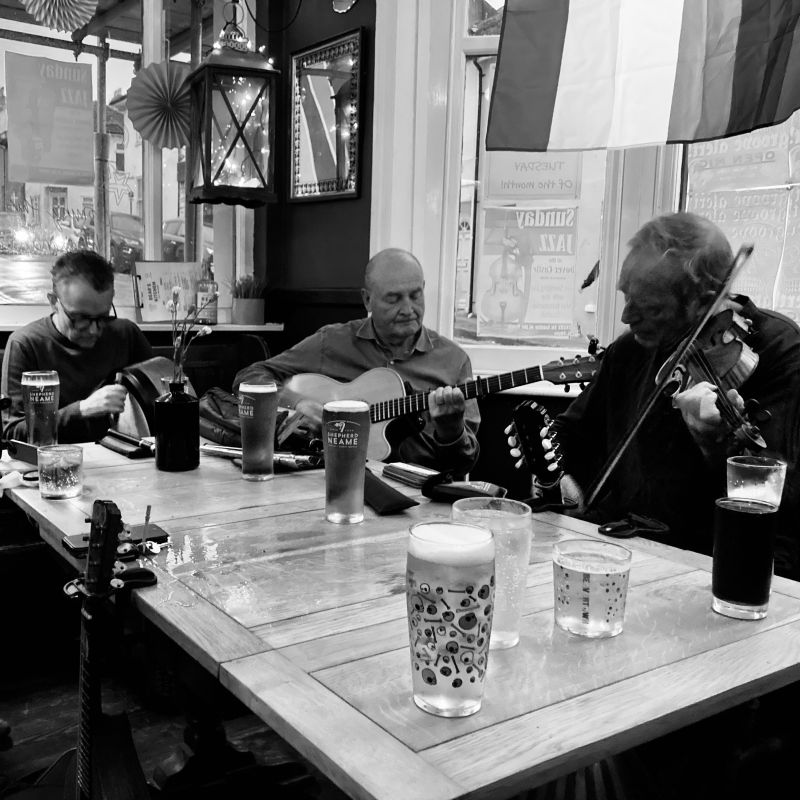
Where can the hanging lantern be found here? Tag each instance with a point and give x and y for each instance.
(233, 121)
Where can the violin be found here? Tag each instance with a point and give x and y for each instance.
(720, 356)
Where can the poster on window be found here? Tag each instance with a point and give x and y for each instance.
(757, 217)
(525, 280)
(50, 120)
(759, 158)
(787, 285)
(511, 175)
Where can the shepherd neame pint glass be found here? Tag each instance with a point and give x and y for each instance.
(345, 437)
(258, 404)
(40, 400)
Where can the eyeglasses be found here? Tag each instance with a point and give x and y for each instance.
(83, 321)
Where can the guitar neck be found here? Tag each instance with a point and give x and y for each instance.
(90, 704)
(418, 402)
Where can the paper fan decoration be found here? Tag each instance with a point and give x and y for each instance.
(159, 105)
(61, 15)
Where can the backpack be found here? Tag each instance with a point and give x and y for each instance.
(219, 417)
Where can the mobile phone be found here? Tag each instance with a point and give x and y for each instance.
(77, 544)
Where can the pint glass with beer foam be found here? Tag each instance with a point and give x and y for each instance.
(450, 600)
(258, 405)
(345, 437)
(40, 400)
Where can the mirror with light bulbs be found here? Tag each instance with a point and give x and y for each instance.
(325, 140)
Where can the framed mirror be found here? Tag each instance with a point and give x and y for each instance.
(325, 141)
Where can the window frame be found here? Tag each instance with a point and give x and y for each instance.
(419, 107)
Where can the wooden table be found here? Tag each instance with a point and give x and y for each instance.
(305, 622)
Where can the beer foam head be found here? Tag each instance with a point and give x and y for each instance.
(346, 405)
(258, 388)
(451, 543)
(43, 378)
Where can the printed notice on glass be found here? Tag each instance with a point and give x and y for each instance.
(525, 280)
(757, 217)
(787, 285)
(154, 283)
(756, 159)
(512, 175)
(50, 120)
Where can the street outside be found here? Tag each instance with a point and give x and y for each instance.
(24, 279)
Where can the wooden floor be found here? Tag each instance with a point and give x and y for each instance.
(42, 710)
(39, 653)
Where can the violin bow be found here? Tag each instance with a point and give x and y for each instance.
(745, 251)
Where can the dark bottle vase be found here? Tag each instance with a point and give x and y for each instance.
(177, 430)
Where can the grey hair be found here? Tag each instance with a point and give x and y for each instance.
(696, 247)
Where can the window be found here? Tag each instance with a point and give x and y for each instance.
(750, 186)
(528, 235)
(490, 242)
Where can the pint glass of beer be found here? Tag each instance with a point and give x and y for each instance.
(450, 601)
(258, 404)
(40, 400)
(345, 437)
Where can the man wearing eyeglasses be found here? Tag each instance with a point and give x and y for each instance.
(82, 340)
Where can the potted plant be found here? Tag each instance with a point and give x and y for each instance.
(248, 301)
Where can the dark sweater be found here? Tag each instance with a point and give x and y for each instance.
(39, 346)
(663, 474)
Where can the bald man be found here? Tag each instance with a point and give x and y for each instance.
(391, 336)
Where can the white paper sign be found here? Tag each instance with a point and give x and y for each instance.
(155, 280)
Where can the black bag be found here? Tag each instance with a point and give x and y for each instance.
(219, 422)
(219, 417)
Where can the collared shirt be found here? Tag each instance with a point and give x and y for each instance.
(346, 350)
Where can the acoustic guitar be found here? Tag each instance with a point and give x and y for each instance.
(384, 390)
(104, 766)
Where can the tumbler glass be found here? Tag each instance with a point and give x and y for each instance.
(590, 586)
(60, 471)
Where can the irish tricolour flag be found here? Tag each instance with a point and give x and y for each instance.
(586, 74)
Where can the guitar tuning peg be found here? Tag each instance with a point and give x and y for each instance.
(549, 455)
(519, 464)
(508, 428)
(512, 441)
(552, 467)
(515, 452)
(547, 445)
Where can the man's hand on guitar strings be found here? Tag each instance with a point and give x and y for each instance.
(446, 406)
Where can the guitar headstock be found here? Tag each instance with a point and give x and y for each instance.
(531, 427)
(580, 369)
(103, 541)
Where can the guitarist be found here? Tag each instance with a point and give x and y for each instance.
(391, 336)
